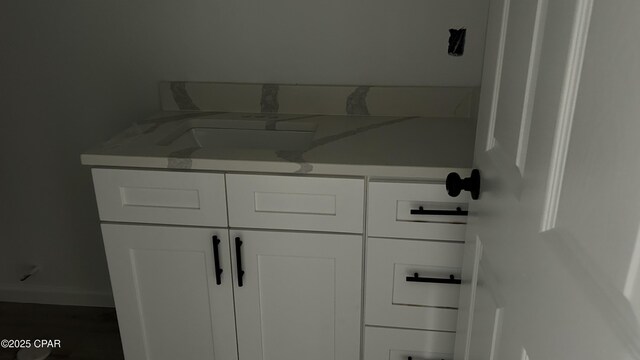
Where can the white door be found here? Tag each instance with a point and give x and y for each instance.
(300, 295)
(552, 254)
(169, 303)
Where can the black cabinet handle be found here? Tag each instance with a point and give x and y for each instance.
(457, 212)
(239, 261)
(450, 280)
(216, 259)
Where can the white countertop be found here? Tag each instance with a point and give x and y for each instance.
(342, 145)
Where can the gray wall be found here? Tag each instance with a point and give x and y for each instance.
(75, 72)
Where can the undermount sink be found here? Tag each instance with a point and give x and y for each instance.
(244, 134)
(252, 139)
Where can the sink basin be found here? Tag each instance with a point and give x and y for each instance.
(250, 139)
(211, 134)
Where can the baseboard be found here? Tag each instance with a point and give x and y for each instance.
(54, 295)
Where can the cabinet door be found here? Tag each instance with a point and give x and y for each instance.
(300, 297)
(164, 286)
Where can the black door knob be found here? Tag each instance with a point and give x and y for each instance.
(455, 184)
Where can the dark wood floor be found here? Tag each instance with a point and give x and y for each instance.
(84, 332)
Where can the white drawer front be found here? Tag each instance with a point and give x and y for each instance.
(399, 344)
(390, 206)
(296, 203)
(161, 197)
(392, 300)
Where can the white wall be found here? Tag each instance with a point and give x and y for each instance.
(72, 73)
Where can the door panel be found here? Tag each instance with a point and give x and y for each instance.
(557, 267)
(601, 177)
(167, 300)
(301, 296)
(487, 323)
(518, 31)
(285, 308)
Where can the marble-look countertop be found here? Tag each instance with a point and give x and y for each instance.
(342, 145)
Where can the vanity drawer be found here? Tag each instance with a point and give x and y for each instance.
(390, 206)
(399, 344)
(296, 203)
(395, 298)
(166, 197)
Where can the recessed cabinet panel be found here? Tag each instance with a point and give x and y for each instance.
(296, 203)
(435, 214)
(424, 293)
(167, 300)
(393, 300)
(300, 297)
(400, 344)
(161, 197)
(285, 302)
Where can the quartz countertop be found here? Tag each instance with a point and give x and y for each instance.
(342, 145)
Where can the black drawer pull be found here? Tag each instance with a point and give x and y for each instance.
(410, 358)
(216, 259)
(417, 278)
(239, 261)
(457, 212)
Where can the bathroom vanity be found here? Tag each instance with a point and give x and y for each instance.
(234, 235)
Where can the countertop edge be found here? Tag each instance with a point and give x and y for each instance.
(360, 170)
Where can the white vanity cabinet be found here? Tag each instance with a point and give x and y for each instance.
(258, 267)
(291, 281)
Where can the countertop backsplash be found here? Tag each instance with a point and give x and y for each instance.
(419, 101)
